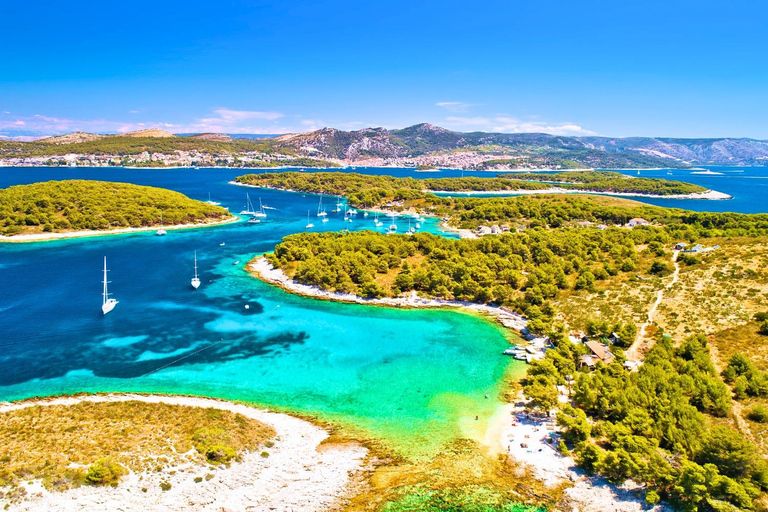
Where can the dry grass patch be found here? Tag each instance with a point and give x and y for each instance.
(625, 300)
(725, 289)
(95, 442)
(744, 339)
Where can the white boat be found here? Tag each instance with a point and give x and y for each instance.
(325, 219)
(309, 224)
(107, 304)
(376, 221)
(161, 231)
(212, 203)
(708, 172)
(222, 244)
(195, 280)
(248, 206)
(352, 212)
(339, 204)
(261, 213)
(320, 210)
(254, 220)
(392, 228)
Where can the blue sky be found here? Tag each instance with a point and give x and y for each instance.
(654, 68)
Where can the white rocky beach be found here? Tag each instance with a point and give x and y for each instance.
(532, 441)
(44, 237)
(265, 271)
(300, 472)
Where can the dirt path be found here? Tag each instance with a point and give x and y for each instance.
(637, 351)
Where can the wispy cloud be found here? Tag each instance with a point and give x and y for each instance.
(454, 106)
(239, 121)
(505, 124)
(39, 125)
(226, 115)
(222, 120)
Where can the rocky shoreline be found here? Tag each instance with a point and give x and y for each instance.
(264, 270)
(45, 237)
(298, 474)
(708, 195)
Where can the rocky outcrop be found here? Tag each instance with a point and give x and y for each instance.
(72, 138)
(151, 132)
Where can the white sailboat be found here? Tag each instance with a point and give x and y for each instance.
(392, 227)
(107, 304)
(248, 206)
(161, 231)
(320, 210)
(195, 280)
(309, 224)
(261, 212)
(212, 203)
(376, 221)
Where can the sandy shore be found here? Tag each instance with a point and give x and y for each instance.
(266, 272)
(299, 474)
(45, 237)
(709, 194)
(533, 442)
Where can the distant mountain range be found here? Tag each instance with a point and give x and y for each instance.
(423, 139)
(423, 145)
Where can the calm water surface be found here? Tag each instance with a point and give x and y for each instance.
(411, 378)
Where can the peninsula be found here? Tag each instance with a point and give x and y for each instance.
(578, 292)
(159, 453)
(57, 209)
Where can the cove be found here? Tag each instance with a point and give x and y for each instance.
(412, 379)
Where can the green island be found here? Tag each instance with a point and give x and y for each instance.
(84, 205)
(122, 436)
(671, 391)
(375, 190)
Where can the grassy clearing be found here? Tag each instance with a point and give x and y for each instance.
(622, 298)
(743, 339)
(95, 443)
(724, 290)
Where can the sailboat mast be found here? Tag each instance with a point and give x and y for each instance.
(105, 294)
(195, 264)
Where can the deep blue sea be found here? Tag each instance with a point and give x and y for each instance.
(409, 377)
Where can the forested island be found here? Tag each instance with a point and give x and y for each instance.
(376, 190)
(85, 205)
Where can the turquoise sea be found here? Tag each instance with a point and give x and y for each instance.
(413, 379)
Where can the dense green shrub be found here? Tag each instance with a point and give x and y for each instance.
(104, 472)
(758, 413)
